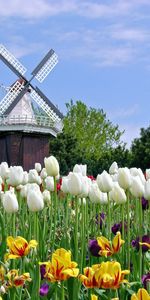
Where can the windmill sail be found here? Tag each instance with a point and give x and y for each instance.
(12, 62)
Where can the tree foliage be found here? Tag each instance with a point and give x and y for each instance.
(93, 132)
(140, 150)
(87, 138)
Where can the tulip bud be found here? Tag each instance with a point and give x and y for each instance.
(117, 194)
(52, 166)
(124, 178)
(137, 187)
(47, 196)
(74, 184)
(49, 181)
(138, 172)
(38, 167)
(43, 173)
(35, 201)
(147, 174)
(147, 190)
(113, 168)
(10, 202)
(64, 185)
(94, 193)
(4, 170)
(33, 177)
(80, 169)
(25, 178)
(104, 182)
(15, 176)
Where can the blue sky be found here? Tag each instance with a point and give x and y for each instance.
(103, 48)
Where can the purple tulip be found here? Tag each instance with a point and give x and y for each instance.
(44, 289)
(145, 239)
(100, 219)
(145, 203)
(94, 248)
(145, 280)
(42, 271)
(118, 227)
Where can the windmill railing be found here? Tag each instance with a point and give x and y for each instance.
(35, 121)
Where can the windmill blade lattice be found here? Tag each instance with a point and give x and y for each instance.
(45, 66)
(10, 96)
(45, 107)
(10, 59)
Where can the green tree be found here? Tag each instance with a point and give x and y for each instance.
(140, 150)
(93, 132)
(87, 138)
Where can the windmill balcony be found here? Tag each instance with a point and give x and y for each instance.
(36, 123)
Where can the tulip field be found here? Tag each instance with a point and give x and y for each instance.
(74, 237)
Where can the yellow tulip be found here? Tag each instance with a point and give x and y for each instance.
(14, 279)
(142, 294)
(94, 297)
(19, 247)
(88, 278)
(145, 244)
(2, 274)
(106, 248)
(61, 267)
(107, 275)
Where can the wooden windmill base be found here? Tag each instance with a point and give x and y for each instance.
(24, 149)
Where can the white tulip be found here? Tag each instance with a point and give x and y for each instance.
(80, 169)
(10, 202)
(147, 174)
(52, 166)
(85, 186)
(23, 191)
(75, 184)
(94, 193)
(47, 196)
(124, 178)
(49, 181)
(137, 187)
(103, 198)
(113, 168)
(4, 170)
(15, 176)
(147, 189)
(114, 177)
(35, 200)
(38, 167)
(138, 172)
(104, 182)
(117, 194)
(25, 178)
(64, 185)
(43, 173)
(33, 177)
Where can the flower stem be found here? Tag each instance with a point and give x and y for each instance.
(128, 231)
(76, 228)
(140, 238)
(109, 219)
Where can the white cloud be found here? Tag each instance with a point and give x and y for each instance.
(123, 112)
(88, 8)
(132, 131)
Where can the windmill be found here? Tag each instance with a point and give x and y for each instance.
(24, 134)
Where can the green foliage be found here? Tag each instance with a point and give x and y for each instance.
(88, 138)
(94, 134)
(140, 150)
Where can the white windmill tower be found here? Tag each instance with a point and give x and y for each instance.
(24, 135)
